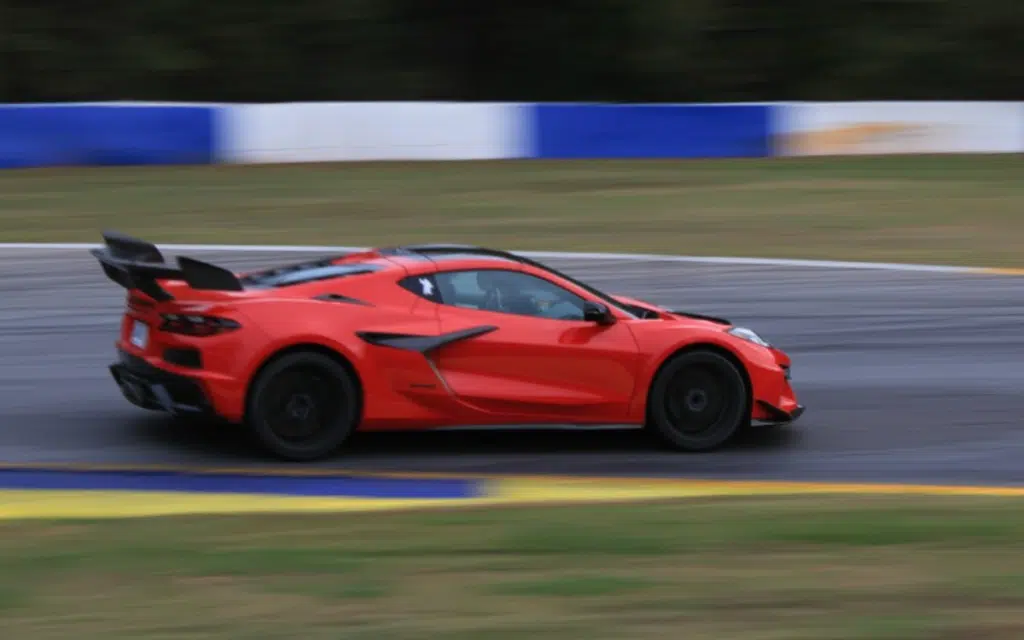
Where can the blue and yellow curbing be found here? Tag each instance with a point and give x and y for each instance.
(28, 492)
(116, 492)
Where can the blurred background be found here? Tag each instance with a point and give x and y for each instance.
(557, 50)
(481, 85)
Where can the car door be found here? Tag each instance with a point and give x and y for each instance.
(529, 362)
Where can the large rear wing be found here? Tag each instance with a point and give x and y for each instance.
(137, 264)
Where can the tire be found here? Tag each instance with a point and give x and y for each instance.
(698, 401)
(303, 406)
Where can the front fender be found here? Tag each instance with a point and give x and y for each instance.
(760, 365)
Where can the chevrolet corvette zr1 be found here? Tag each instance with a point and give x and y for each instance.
(424, 336)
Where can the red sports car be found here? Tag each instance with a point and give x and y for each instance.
(424, 336)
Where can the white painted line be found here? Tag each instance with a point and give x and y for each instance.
(560, 255)
(730, 260)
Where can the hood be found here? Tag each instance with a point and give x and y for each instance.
(643, 305)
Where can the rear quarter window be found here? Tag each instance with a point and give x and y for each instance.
(424, 286)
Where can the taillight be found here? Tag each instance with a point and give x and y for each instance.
(196, 325)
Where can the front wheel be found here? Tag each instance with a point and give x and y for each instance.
(698, 401)
(303, 406)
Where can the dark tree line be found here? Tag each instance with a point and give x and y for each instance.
(519, 50)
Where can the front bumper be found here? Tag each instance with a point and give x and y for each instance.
(775, 416)
(151, 388)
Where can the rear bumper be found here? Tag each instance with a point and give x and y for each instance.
(151, 388)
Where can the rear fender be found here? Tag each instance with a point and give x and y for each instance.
(396, 384)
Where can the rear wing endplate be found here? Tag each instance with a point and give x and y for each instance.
(136, 264)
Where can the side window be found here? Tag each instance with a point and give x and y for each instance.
(462, 289)
(512, 292)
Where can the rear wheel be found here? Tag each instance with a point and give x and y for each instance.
(698, 401)
(303, 406)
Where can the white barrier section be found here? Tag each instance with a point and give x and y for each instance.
(349, 131)
(861, 128)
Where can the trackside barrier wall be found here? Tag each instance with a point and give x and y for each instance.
(96, 134)
(651, 131)
(106, 134)
(856, 128)
(347, 131)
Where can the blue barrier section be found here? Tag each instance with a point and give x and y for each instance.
(650, 131)
(254, 484)
(91, 135)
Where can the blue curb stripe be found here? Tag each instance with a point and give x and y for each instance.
(330, 486)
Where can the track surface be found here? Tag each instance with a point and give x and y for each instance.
(909, 377)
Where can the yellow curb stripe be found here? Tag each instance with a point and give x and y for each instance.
(525, 492)
(127, 504)
(1000, 271)
(589, 489)
(32, 504)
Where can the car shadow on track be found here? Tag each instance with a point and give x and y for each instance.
(231, 444)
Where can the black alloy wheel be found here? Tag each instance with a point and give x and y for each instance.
(303, 406)
(698, 401)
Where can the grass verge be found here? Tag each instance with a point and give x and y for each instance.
(946, 209)
(819, 567)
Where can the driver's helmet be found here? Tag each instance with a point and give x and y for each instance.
(544, 300)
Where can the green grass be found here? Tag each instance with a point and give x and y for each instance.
(944, 209)
(821, 567)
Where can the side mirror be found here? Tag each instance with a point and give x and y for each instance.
(597, 312)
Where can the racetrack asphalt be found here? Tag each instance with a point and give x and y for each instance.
(909, 377)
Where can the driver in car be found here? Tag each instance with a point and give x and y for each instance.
(502, 294)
